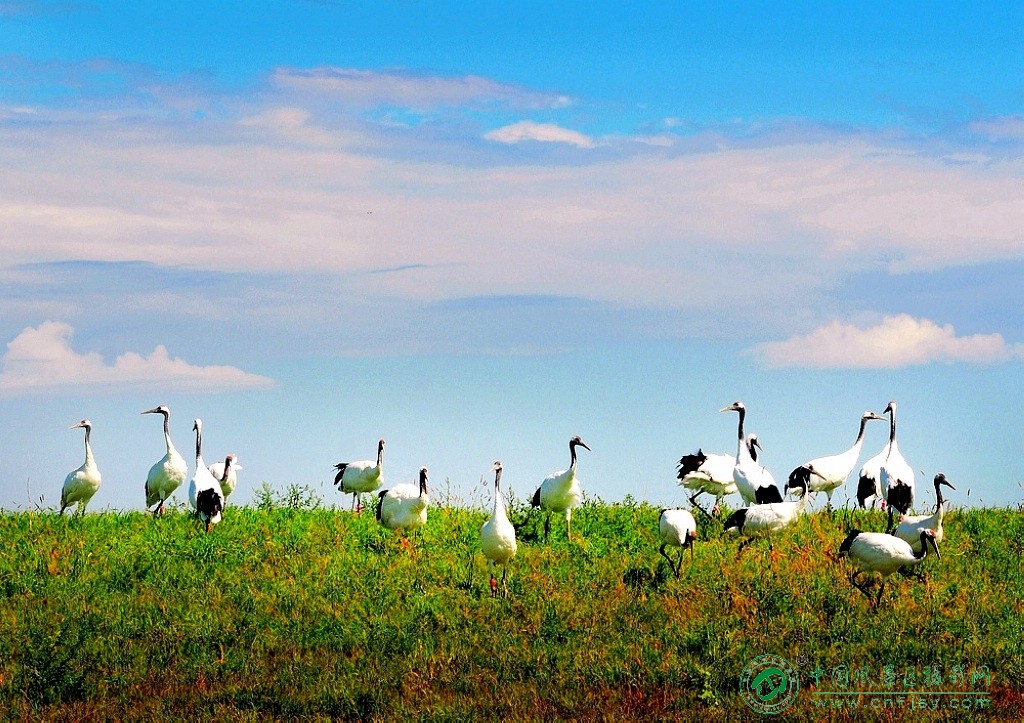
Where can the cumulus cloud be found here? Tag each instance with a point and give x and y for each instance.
(41, 359)
(544, 132)
(898, 341)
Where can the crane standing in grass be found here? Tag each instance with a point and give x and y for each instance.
(404, 506)
(362, 476)
(498, 536)
(896, 476)
(883, 553)
(910, 527)
(763, 520)
(676, 528)
(826, 474)
(81, 484)
(226, 473)
(754, 483)
(711, 473)
(561, 491)
(204, 492)
(170, 470)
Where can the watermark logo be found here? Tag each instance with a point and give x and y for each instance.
(769, 684)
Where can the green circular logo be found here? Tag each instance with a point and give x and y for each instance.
(769, 684)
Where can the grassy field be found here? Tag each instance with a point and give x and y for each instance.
(286, 610)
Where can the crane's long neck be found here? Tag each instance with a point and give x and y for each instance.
(423, 484)
(892, 424)
(199, 446)
(739, 444)
(89, 461)
(499, 503)
(572, 457)
(380, 455)
(167, 432)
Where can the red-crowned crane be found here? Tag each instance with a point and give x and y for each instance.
(911, 526)
(498, 536)
(170, 470)
(754, 483)
(81, 484)
(204, 492)
(676, 528)
(710, 473)
(765, 519)
(561, 491)
(362, 476)
(827, 474)
(883, 553)
(404, 506)
(896, 476)
(226, 473)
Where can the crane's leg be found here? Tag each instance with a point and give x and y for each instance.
(679, 562)
(494, 583)
(664, 554)
(547, 526)
(743, 544)
(693, 501)
(504, 585)
(878, 599)
(863, 590)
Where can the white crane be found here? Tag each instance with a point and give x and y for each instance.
(896, 476)
(81, 484)
(883, 553)
(676, 528)
(826, 474)
(910, 526)
(754, 483)
(561, 491)
(169, 472)
(362, 476)
(710, 473)
(404, 506)
(765, 519)
(204, 491)
(226, 473)
(869, 484)
(498, 536)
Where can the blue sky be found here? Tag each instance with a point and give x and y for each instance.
(476, 230)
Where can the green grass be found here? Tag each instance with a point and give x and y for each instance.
(299, 611)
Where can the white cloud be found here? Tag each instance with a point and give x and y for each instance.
(419, 92)
(41, 359)
(544, 132)
(897, 341)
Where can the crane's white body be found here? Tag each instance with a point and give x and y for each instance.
(676, 528)
(229, 481)
(561, 491)
(169, 472)
(204, 492)
(765, 519)
(361, 476)
(869, 485)
(81, 484)
(910, 527)
(896, 476)
(827, 474)
(713, 475)
(404, 506)
(497, 535)
(883, 553)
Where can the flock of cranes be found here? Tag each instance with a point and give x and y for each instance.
(885, 478)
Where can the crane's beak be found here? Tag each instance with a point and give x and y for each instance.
(941, 479)
(935, 547)
(154, 410)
